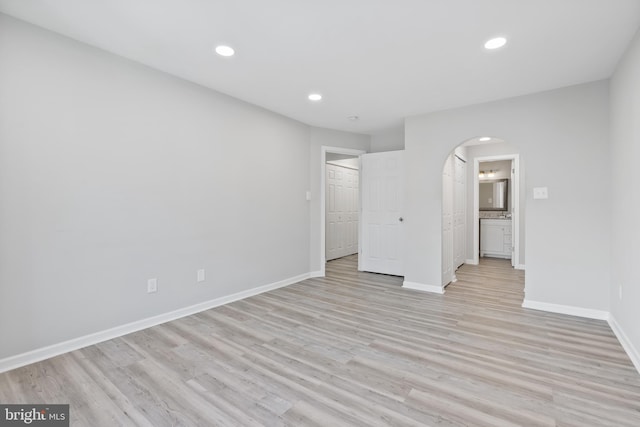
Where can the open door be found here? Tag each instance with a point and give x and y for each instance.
(512, 198)
(382, 234)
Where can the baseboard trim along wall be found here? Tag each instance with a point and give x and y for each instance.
(566, 309)
(13, 362)
(43, 353)
(318, 273)
(474, 262)
(422, 287)
(626, 343)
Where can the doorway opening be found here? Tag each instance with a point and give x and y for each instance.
(496, 208)
(333, 154)
(342, 207)
(482, 211)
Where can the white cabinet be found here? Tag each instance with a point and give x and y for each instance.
(495, 238)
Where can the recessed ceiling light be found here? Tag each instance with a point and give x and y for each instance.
(495, 43)
(225, 50)
(485, 138)
(315, 97)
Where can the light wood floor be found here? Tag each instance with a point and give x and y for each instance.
(351, 349)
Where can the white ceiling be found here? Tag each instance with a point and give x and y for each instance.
(381, 60)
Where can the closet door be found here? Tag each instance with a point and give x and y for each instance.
(447, 221)
(342, 211)
(459, 211)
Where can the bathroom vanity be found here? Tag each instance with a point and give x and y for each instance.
(495, 237)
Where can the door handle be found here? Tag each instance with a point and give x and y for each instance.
(400, 219)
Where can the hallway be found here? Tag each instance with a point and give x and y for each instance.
(492, 281)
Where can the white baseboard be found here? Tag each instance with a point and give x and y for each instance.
(474, 262)
(628, 346)
(422, 287)
(318, 273)
(13, 362)
(566, 309)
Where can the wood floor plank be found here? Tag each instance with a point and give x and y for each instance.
(351, 348)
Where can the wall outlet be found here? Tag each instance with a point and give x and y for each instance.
(201, 275)
(152, 286)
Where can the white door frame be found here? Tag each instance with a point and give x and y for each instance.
(516, 206)
(323, 183)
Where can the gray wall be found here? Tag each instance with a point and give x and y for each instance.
(391, 139)
(563, 138)
(625, 144)
(112, 173)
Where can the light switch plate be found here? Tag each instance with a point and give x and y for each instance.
(152, 285)
(540, 193)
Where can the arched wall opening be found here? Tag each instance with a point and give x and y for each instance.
(463, 207)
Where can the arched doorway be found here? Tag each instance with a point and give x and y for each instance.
(464, 209)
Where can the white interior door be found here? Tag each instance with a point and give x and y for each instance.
(512, 199)
(447, 221)
(382, 189)
(342, 211)
(459, 211)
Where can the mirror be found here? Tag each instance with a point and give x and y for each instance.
(493, 195)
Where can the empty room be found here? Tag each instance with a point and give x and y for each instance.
(294, 213)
